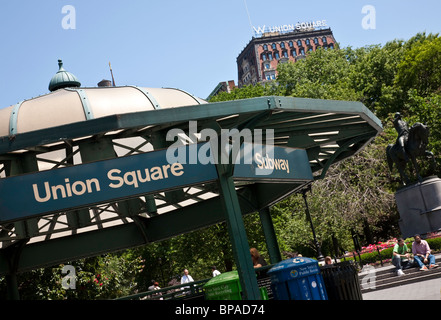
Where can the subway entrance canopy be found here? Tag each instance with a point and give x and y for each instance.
(86, 171)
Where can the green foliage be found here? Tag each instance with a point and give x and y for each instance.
(419, 68)
(386, 254)
(324, 74)
(374, 257)
(356, 194)
(434, 243)
(196, 251)
(103, 277)
(250, 91)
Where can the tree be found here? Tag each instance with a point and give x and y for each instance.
(102, 277)
(250, 91)
(355, 194)
(419, 68)
(373, 75)
(323, 74)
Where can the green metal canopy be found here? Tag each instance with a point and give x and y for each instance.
(329, 131)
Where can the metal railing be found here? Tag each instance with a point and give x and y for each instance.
(187, 291)
(194, 290)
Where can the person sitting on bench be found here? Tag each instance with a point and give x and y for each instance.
(401, 258)
(421, 253)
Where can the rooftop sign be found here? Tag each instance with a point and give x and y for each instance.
(300, 26)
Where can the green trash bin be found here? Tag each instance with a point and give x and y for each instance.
(226, 286)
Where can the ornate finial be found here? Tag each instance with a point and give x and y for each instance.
(63, 79)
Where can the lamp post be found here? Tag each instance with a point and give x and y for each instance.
(316, 243)
(162, 272)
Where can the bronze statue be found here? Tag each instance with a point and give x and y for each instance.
(403, 134)
(411, 143)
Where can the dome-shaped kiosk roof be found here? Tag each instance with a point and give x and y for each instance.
(63, 79)
(69, 105)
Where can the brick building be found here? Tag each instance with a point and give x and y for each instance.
(258, 61)
(225, 86)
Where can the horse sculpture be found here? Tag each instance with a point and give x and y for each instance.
(414, 146)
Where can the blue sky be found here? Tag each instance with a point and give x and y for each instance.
(191, 45)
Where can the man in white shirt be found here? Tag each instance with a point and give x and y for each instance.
(186, 277)
(215, 271)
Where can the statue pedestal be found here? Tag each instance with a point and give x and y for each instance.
(419, 206)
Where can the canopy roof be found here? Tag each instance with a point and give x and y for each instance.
(70, 105)
(120, 121)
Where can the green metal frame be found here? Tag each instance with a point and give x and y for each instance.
(330, 131)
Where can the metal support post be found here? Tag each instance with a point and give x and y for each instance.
(12, 286)
(13, 253)
(270, 235)
(320, 256)
(238, 236)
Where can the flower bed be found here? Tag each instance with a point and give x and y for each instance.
(382, 251)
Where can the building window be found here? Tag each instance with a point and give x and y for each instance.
(285, 54)
(324, 40)
(302, 51)
(294, 53)
(265, 47)
(299, 43)
(274, 46)
(271, 75)
(291, 44)
(270, 56)
(307, 42)
(282, 45)
(316, 41)
(267, 66)
(263, 56)
(276, 54)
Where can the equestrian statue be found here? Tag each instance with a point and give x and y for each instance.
(410, 144)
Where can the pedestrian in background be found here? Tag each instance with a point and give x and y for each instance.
(215, 271)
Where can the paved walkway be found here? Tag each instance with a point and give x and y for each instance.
(424, 290)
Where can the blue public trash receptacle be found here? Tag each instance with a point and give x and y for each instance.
(297, 279)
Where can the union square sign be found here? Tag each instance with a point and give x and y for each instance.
(126, 177)
(299, 26)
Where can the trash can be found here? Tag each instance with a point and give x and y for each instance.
(341, 281)
(297, 279)
(226, 286)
